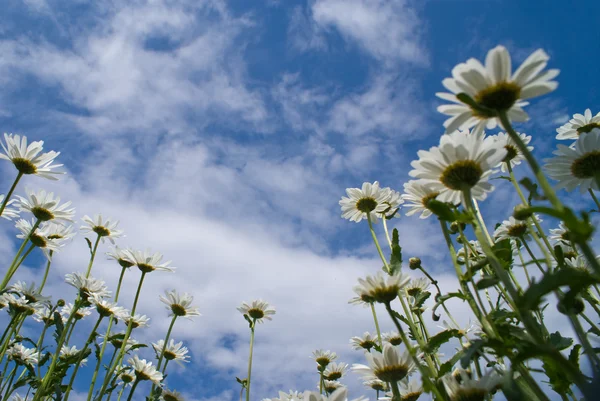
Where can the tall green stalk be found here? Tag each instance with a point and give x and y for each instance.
(252, 326)
(10, 192)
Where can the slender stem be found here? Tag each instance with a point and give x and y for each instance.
(91, 337)
(121, 392)
(376, 325)
(250, 359)
(118, 291)
(523, 264)
(595, 199)
(385, 263)
(10, 192)
(92, 256)
(50, 254)
(9, 382)
(20, 262)
(385, 229)
(135, 383)
(11, 270)
(395, 391)
(537, 171)
(162, 353)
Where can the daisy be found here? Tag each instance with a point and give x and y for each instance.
(28, 159)
(393, 204)
(58, 233)
(136, 320)
(257, 310)
(80, 313)
(580, 263)
(560, 235)
(148, 262)
(376, 384)
(45, 315)
(388, 366)
(116, 341)
(513, 155)
(104, 228)
(127, 376)
(8, 212)
(168, 395)
(368, 201)
(335, 371)
(474, 252)
(18, 304)
(494, 89)
(330, 386)
(145, 370)
(513, 229)
(323, 358)
(29, 291)
(381, 288)
(88, 286)
(462, 162)
(392, 337)
(419, 193)
(579, 124)
(123, 256)
(578, 166)
(410, 390)
(39, 237)
(367, 341)
(71, 355)
(22, 355)
(44, 206)
(416, 286)
(462, 387)
(173, 352)
(340, 394)
(106, 308)
(179, 304)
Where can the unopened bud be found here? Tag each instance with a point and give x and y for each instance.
(414, 263)
(522, 212)
(60, 303)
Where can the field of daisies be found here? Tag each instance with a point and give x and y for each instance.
(510, 273)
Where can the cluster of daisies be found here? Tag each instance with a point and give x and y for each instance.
(50, 366)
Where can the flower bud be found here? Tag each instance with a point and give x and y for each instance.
(522, 212)
(60, 303)
(414, 263)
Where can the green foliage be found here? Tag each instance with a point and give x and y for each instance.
(396, 256)
(441, 338)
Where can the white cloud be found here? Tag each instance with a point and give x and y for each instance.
(389, 30)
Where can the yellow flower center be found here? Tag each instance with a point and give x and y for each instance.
(499, 97)
(587, 128)
(24, 166)
(462, 175)
(391, 373)
(256, 313)
(587, 166)
(366, 205)
(42, 214)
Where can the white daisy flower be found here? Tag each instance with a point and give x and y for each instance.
(367, 341)
(341, 394)
(410, 390)
(560, 234)
(116, 340)
(513, 229)
(18, 303)
(29, 291)
(462, 162)
(179, 304)
(381, 288)
(80, 313)
(145, 370)
(71, 354)
(370, 200)
(88, 286)
(17, 397)
(105, 228)
(40, 237)
(462, 387)
(127, 376)
(123, 256)
(148, 262)
(376, 384)
(579, 124)
(389, 366)
(45, 315)
(22, 355)
(8, 212)
(330, 385)
(580, 263)
(392, 337)
(416, 286)
(59, 233)
(168, 395)
(513, 155)
(138, 321)
(393, 203)
(106, 308)
(418, 193)
(172, 352)
(257, 310)
(335, 371)
(474, 251)
(578, 166)
(44, 206)
(494, 88)
(28, 159)
(323, 358)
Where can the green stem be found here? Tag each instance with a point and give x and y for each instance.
(537, 171)
(385, 263)
(91, 337)
(376, 325)
(395, 391)
(387, 234)
(162, 353)
(10, 192)
(135, 383)
(20, 262)
(11, 270)
(92, 256)
(11, 377)
(595, 199)
(50, 254)
(250, 359)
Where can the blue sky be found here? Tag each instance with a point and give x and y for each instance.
(224, 133)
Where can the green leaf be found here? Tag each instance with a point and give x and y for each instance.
(503, 251)
(60, 326)
(396, 257)
(487, 282)
(440, 299)
(532, 188)
(447, 366)
(439, 339)
(558, 379)
(475, 348)
(465, 98)
(574, 354)
(576, 279)
(559, 341)
(421, 298)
